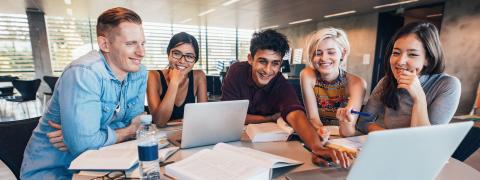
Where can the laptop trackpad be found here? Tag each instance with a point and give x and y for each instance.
(322, 173)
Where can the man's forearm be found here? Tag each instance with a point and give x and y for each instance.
(305, 130)
(257, 119)
(125, 134)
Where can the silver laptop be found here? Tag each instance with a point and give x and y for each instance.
(408, 153)
(213, 122)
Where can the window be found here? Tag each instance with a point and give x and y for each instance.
(15, 48)
(69, 38)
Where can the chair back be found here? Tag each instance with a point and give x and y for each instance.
(51, 80)
(7, 78)
(214, 85)
(14, 136)
(6, 91)
(27, 88)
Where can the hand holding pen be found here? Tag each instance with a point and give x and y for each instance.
(329, 157)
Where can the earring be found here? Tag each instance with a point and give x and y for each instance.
(341, 59)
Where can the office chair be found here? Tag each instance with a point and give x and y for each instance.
(469, 145)
(51, 81)
(6, 91)
(214, 85)
(8, 78)
(28, 91)
(14, 136)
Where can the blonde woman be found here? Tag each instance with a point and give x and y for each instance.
(329, 92)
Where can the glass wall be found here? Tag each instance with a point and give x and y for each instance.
(15, 47)
(70, 38)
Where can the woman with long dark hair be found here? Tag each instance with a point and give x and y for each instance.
(170, 89)
(414, 91)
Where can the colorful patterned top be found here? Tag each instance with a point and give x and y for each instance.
(331, 96)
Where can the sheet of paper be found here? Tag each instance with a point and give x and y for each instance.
(110, 159)
(334, 130)
(351, 143)
(208, 164)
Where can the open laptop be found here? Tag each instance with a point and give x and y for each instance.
(213, 122)
(408, 153)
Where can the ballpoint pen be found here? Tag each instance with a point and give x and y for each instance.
(361, 113)
(330, 163)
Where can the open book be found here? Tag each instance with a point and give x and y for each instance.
(267, 132)
(228, 162)
(120, 156)
(349, 144)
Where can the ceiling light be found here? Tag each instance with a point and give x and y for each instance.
(301, 21)
(69, 11)
(186, 20)
(434, 15)
(340, 14)
(229, 2)
(394, 4)
(206, 12)
(67, 2)
(269, 27)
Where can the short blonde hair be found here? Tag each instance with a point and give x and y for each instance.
(337, 35)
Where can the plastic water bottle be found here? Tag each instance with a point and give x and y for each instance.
(148, 151)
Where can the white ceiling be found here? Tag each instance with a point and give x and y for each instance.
(244, 14)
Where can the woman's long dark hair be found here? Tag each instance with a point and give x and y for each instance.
(426, 33)
(182, 38)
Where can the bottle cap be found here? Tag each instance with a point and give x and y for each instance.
(146, 119)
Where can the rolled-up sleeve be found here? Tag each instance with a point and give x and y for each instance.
(288, 100)
(81, 111)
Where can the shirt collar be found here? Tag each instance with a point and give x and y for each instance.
(110, 72)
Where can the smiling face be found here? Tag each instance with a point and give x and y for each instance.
(265, 66)
(326, 58)
(186, 53)
(408, 54)
(124, 48)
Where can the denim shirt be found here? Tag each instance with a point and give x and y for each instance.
(90, 103)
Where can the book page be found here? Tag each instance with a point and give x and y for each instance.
(266, 132)
(128, 145)
(350, 144)
(468, 117)
(284, 126)
(270, 160)
(265, 128)
(110, 159)
(213, 164)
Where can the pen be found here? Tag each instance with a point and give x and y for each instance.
(361, 113)
(329, 161)
(166, 163)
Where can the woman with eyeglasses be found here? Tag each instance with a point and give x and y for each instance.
(414, 91)
(168, 90)
(329, 92)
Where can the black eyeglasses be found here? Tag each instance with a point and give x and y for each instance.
(179, 55)
(114, 175)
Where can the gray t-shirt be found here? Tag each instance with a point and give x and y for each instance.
(441, 90)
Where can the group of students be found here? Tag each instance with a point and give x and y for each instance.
(99, 97)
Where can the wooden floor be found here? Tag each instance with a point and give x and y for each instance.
(473, 161)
